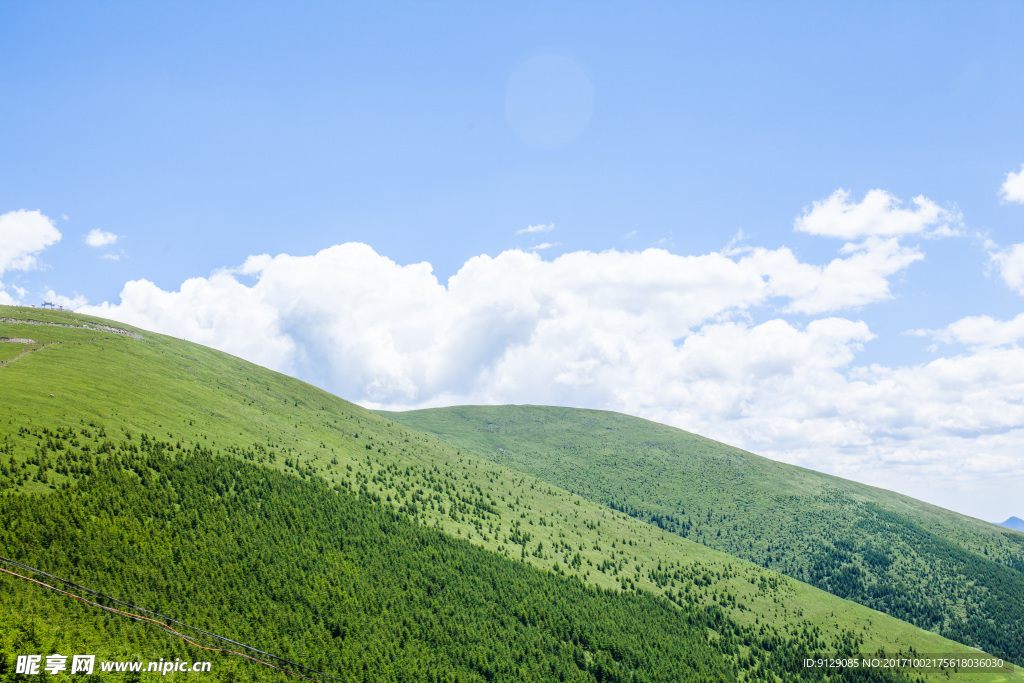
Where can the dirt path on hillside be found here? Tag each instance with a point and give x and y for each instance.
(25, 351)
(33, 345)
(29, 349)
(83, 326)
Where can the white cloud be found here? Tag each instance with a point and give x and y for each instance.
(979, 331)
(373, 330)
(215, 311)
(857, 278)
(353, 320)
(69, 302)
(877, 215)
(23, 234)
(7, 300)
(1011, 266)
(536, 228)
(949, 400)
(507, 327)
(1012, 189)
(97, 238)
(112, 257)
(545, 245)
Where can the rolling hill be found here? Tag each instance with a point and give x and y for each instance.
(945, 572)
(253, 505)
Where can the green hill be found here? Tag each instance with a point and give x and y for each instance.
(251, 504)
(330, 580)
(952, 574)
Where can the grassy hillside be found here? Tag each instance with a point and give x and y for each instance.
(83, 408)
(945, 572)
(327, 579)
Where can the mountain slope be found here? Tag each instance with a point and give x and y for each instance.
(952, 574)
(78, 399)
(338, 583)
(1013, 523)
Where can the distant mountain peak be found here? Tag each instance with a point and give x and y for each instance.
(1013, 523)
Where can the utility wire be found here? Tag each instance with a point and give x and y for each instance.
(153, 621)
(98, 595)
(165, 627)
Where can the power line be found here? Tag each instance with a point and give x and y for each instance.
(165, 627)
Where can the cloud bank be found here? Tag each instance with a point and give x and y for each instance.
(669, 337)
(511, 325)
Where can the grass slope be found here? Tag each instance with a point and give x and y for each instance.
(76, 396)
(943, 571)
(343, 585)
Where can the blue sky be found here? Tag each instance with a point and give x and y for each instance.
(195, 136)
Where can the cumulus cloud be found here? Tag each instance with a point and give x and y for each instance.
(612, 327)
(1012, 189)
(1010, 263)
(23, 234)
(373, 330)
(860, 276)
(97, 238)
(7, 299)
(536, 228)
(962, 397)
(979, 331)
(217, 311)
(879, 214)
(69, 302)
